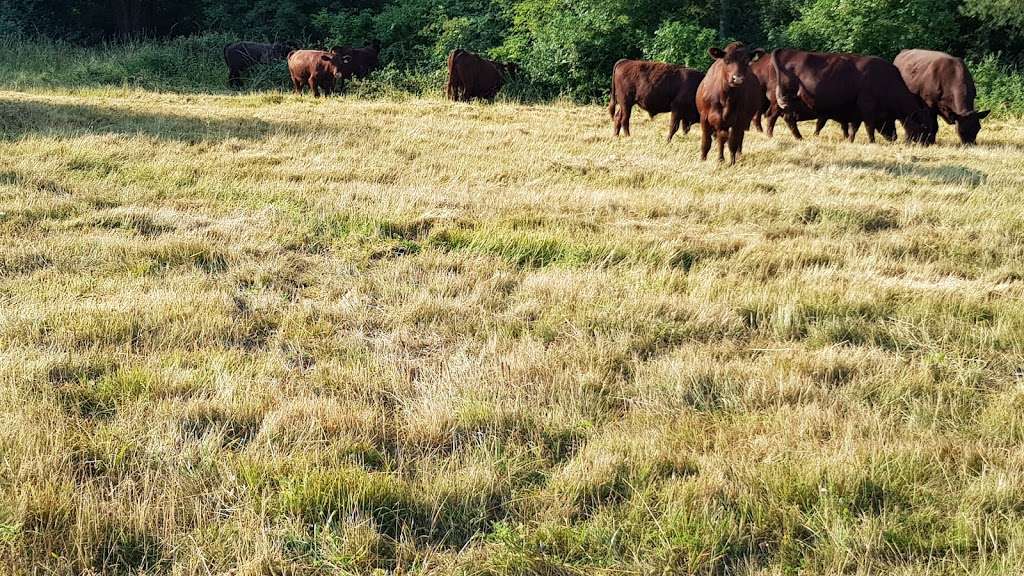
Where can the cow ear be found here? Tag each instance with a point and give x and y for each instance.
(715, 53)
(757, 54)
(325, 57)
(983, 114)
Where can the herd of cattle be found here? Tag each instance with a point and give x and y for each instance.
(742, 88)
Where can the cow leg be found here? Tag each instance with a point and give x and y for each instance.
(870, 127)
(846, 130)
(234, 78)
(791, 123)
(773, 117)
(723, 137)
(674, 124)
(735, 144)
(627, 112)
(314, 86)
(297, 85)
(757, 121)
(705, 139)
(820, 126)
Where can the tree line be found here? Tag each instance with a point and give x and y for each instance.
(563, 46)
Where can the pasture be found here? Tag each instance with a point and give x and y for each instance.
(260, 334)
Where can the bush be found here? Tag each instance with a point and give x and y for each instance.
(682, 43)
(877, 27)
(570, 49)
(999, 88)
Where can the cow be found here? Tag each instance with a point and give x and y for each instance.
(727, 99)
(472, 76)
(240, 56)
(364, 60)
(769, 110)
(656, 87)
(946, 87)
(319, 70)
(848, 88)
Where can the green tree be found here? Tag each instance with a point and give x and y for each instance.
(877, 27)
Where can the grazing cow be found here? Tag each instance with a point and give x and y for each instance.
(364, 60)
(657, 88)
(319, 70)
(727, 99)
(848, 88)
(472, 76)
(240, 56)
(946, 87)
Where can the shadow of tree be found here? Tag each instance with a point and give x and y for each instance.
(23, 117)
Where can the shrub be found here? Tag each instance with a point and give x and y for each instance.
(682, 43)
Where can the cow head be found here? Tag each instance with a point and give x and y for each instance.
(968, 126)
(736, 59)
(340, 61)
(918, 127)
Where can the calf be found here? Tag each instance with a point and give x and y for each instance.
(657, 88)
(848, 88)
(946, 87)
(319, 70)
(240, 56)
(472, 76)
(727, 99)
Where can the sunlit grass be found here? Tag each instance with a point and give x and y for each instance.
(281, 335)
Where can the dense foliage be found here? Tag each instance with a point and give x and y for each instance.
(565, 46)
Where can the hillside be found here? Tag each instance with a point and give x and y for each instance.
(276, 335)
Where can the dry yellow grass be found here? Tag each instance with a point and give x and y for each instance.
(265, 334)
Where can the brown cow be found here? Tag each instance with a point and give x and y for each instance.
(947, 89)
(319, 70)
(657, 88)
(728, 98)
(364, 60)
(240, 56)
(472, 76)
(848, 88)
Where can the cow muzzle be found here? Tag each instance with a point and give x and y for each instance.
(735, 80)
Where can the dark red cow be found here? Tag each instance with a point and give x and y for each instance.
(472, 76)
(728, 98)
(847, 88)
(656, 87)
(363, 60)
(946, 87)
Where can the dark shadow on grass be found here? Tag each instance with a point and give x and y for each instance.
(944, 174)
(27, 117)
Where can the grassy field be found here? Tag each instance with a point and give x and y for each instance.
(260, 334)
